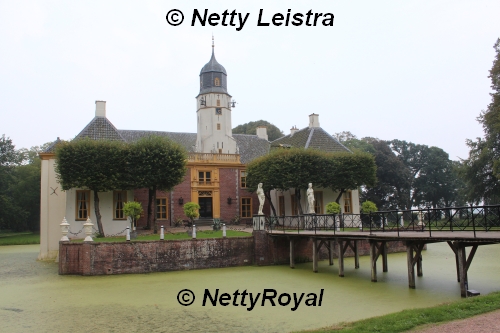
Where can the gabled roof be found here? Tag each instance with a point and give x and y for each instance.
(100, 128)
(315, 138)
(251, 147)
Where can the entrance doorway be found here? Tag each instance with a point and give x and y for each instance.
(205, 207)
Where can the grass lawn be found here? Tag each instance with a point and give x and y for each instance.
(409, 319)
(170, 236)
(19, 238)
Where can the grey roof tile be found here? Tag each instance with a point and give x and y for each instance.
(316, 138)
(100, 128)
(251, 147)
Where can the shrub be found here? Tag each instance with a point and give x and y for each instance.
(133, 210)
(191, 210)
(368, 207)
(333, 208)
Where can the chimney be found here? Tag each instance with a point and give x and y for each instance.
(262, 132)
(293, 130)
(100, 109)
(313, 120)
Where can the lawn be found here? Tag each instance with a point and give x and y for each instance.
(173, 236)
(19, 238)
(412, 318)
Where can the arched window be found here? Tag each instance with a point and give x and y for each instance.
(217, 81)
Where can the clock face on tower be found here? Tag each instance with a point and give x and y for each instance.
(218, 111)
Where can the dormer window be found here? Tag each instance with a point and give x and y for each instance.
(217, 82)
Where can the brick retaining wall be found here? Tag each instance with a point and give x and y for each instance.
(96, 258)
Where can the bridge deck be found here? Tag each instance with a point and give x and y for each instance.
(436, 236)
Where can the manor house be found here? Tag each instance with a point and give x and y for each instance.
(215, 179)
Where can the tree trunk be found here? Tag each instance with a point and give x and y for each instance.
(268, 197)
(297, 199)
(342, 190)
(98, 213)
(155, 208)
(150, 208)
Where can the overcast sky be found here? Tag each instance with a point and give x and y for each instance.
(409, 70)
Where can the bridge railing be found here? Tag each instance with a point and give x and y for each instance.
(467, 218)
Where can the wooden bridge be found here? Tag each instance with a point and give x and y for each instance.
(460, 228)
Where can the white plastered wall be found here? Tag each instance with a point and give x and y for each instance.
(52, 208)
(328, 196)
(110, 225)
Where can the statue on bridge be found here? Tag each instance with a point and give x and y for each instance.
(310, 199)
(262, 198)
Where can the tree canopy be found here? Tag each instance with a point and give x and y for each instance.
(285, 169)
(19, 186)
(273, 132)
(481, 170)
(153, 162)
(94, 164)
(156, 163)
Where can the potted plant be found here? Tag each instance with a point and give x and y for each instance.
(191, 211)
(133, 211)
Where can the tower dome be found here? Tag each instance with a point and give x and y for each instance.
(213, 77)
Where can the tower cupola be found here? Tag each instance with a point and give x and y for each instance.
(213, 77)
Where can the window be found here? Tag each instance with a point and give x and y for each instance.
(119, 198)
(82, 205)
(295, 210)
(281, 205)
(218, 102)
(318, 202)
(217, 82)
(204, 177)
(246, 207)
(218, 127)
(347, 202)
(161, 209)
(243, 178)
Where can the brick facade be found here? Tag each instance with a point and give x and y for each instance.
(230, 187)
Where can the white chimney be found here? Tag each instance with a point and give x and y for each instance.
(100, 109)
(313, 120)
(262, 132)
(293, 130)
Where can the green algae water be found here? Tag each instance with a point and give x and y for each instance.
(34, 298)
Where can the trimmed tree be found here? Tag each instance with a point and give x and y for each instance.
(94, 164)
(284, 169)
(155, 163)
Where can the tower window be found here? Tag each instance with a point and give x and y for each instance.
(218, 126)
(218, 102)
(217, 82)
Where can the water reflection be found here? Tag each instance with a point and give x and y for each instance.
(34, 298)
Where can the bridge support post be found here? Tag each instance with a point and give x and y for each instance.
(383, 249)
(356, 254)
(373, 259)
(330, 252)
(462, 268)
(419, 266)
(411, 270)
(341, 257)
(292, 255)
(315, 255)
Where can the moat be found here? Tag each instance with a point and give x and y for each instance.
(34, 298)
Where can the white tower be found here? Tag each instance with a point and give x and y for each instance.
(213, 105)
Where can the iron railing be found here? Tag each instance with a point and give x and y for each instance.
(468, 218)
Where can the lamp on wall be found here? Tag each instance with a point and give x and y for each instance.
(229, 200)
(181, 201)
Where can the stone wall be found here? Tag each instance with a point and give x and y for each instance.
(96, 258)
